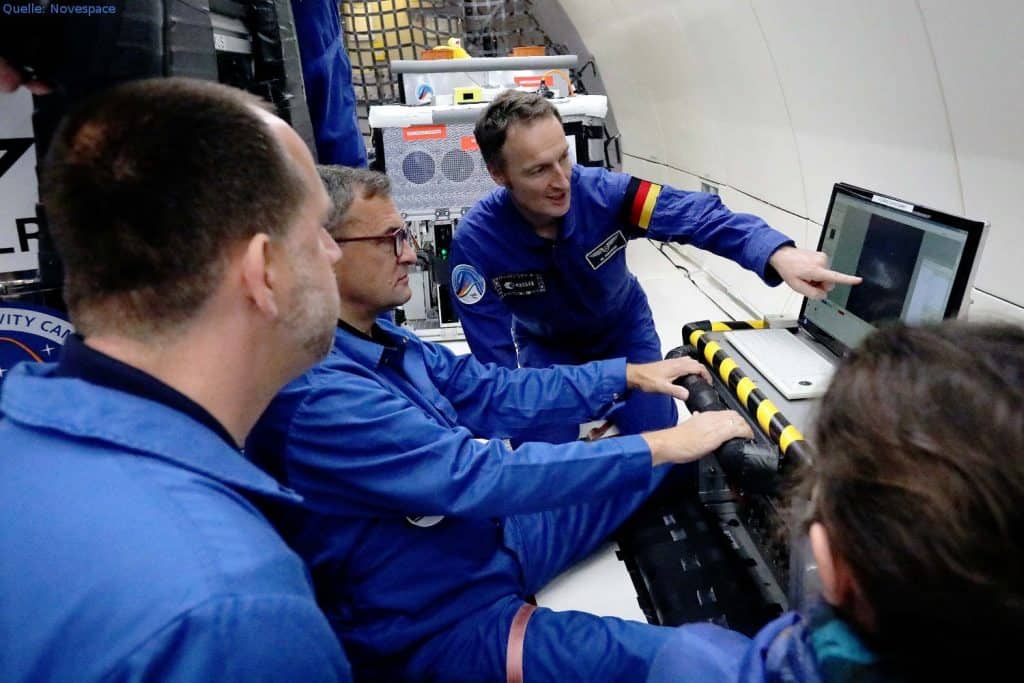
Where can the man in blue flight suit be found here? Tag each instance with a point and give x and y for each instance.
(134, 541)
(424, 540)
(539, 271)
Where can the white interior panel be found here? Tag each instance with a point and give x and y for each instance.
(864, 96)
(599, 584)
(748, 286)
(627, 71)
(727, 118)
(985, 307)
(780, 99)
(980, 58)
(656, 173)
(673, 298)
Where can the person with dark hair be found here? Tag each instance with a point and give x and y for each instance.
(538, 267)
(425, 532)
(135, 546)
(914, 518)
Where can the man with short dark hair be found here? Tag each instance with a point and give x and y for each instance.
(135, 547)
(425, 532)
(539, 268)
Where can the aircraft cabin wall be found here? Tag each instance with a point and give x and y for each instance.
(774, 101)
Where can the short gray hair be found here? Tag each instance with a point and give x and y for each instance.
(343, 182)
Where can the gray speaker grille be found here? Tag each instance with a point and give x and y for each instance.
(418, 167)
(457, 165)
(427, 175)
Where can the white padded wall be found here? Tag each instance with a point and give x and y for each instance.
(775, 100)
(610, 32)
(725, 117)
(718, 112)
(864, 97)
(980, 58)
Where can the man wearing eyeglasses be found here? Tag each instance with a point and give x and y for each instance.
(425, 532)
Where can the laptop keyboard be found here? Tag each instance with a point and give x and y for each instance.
(778, 348)
(793, 367)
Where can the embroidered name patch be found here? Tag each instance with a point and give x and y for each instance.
(600, 254)
(519, 284)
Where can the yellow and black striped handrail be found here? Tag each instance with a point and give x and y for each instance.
(768, 417)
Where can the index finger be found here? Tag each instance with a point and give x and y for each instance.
(835, 276)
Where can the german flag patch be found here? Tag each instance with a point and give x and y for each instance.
(638, 207)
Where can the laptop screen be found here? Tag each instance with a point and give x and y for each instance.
(917, 265)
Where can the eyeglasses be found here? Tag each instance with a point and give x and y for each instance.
(401, 237)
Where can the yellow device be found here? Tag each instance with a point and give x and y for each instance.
(472, 93)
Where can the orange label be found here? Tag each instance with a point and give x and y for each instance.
(424, 133)
(468, 143)
(534, 81)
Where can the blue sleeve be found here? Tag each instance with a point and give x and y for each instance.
(705, 652)
(327, 75)
(703, 220)
(242, 638)
(699, 652)
(485, 319)
(356, 447)
(497, 402)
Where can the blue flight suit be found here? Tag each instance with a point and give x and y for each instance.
(423, 540)
(131, 544)
(327, 74)
(819, 647)
(573, 299)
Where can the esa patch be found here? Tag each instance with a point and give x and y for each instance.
(600, 254)
(468, 285)
(519, 284)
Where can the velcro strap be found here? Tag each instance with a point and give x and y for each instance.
(516, 638)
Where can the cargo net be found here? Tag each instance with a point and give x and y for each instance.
(378, 31)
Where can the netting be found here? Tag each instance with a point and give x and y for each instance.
(378, 31)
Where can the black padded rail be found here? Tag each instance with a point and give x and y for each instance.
(758, 406)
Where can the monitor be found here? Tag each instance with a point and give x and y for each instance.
(917, 266)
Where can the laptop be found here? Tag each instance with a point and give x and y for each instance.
(917, 265)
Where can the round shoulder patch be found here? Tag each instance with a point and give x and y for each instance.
(469, 285)
(424, 94)
(30, 333)
(424, 521)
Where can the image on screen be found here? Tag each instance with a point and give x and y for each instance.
(909, 265)
(886, 263)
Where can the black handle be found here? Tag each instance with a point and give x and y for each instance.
(748, 465)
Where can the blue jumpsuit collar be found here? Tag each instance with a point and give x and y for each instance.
(38, 398)
(83, 362)
(370, 352)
